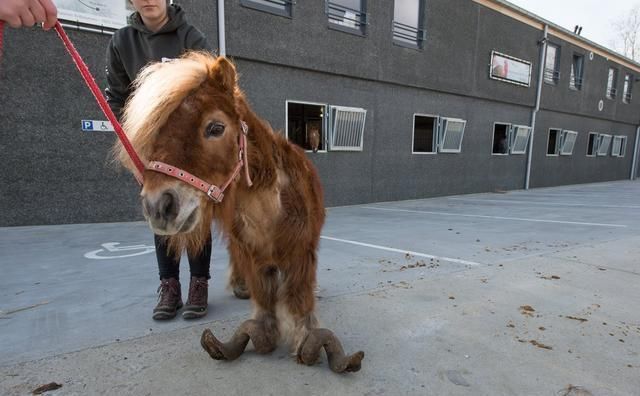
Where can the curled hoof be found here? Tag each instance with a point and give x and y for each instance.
(241, 291)
(211, 344)
(352, 363)
(319, 339)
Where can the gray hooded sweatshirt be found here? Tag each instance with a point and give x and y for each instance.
(134, 46)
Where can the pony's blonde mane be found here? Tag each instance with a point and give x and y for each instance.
(158, 91)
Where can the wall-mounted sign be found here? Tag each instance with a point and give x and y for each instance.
(97, 126)
(509, 69)
(111, 14)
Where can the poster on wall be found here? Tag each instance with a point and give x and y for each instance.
(509, 69)
(110, 14)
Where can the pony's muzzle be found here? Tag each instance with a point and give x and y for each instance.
(162, 211)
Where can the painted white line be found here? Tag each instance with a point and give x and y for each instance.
(544, 203)
(498, 217)
(390, 249)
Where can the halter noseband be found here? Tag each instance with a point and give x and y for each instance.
(214, 192)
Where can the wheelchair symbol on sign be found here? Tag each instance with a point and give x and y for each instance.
(112, 250)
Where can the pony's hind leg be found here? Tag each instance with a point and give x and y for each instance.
(297, 296)
(262, 330)
(238, 264)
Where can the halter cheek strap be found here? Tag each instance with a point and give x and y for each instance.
(214, 192)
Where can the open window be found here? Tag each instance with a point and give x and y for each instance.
(451, 134)
(592, 144)
(619, 146)
(347, 128)
(510, 139)
(306, 126)
(425, 133)
(501, 137)
(604, 141)
(567, 142)
(553, 141)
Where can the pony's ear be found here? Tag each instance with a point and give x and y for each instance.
(224, 73)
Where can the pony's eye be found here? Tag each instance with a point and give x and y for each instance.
(214, 129)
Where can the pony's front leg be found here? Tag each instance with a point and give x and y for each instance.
(317, 339)
(262, 330)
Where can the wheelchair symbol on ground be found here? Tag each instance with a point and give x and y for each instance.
(113, 250)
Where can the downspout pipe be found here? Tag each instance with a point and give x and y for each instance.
(222, 41)
(634, 163)
(543, 52)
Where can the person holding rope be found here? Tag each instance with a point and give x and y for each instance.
(19, 13)
(156, 32)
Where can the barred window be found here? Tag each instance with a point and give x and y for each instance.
(604, 141)
(619, 146)
(626, 90)
(568, 142)
(452, 132)
(520, 139)
(278, 7)
(552, 64)
(347, 128)
(408, 29)
(612, 82)
(347, 15)
(577, 72)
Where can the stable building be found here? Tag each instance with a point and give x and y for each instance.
(392, 100)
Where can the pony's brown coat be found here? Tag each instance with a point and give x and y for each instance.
(273, 227)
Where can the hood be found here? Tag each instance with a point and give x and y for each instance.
(176, 19)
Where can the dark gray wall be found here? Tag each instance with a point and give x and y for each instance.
(59, 174)
(578, 168)
(585, 101)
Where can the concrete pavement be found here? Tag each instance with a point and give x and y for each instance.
(524, 293)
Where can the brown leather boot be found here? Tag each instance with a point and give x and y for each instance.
(169, 299)
(196, 306)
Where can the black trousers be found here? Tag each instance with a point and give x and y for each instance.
(169, 266)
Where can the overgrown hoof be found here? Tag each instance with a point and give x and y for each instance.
(212, 345)
(352, 363)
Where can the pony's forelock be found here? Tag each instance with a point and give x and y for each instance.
(158, 91)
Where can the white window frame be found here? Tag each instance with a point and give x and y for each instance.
(436, 128)
(558, 136)
(514, 139)
(563, 142)
(595, 144)
(601, 144)
(324, 122)
(333, 120)
(442, 134)
(493, 136)
(622, 147)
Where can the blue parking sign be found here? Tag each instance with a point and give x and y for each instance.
(87, 125)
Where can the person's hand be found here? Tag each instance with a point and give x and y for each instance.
(20, 13)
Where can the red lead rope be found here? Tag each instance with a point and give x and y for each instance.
(97, 93)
